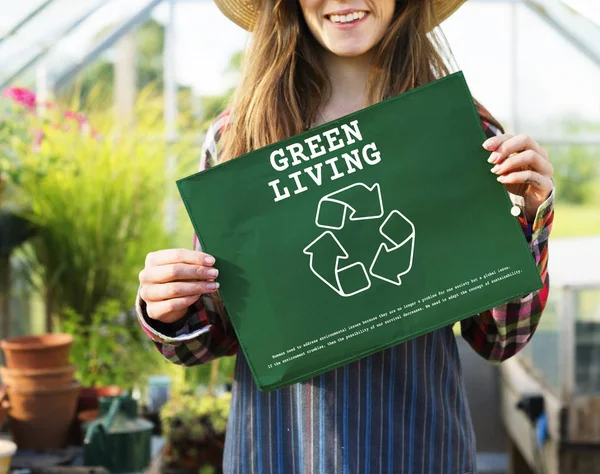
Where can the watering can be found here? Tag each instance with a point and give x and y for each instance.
(118, 440)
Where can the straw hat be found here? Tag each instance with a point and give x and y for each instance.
(243, 12)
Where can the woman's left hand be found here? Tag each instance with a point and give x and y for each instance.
(522, 165)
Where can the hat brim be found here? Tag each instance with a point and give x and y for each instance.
(243, 12)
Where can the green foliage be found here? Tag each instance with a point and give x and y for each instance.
(98, 77)
(14, 131)
(194, 431)
(576, 220)
(98, 207)
(110, 349)
(207, 470)
(97, 199)
(193, 413)
(200, 374)
(575, 172)
(151, 43)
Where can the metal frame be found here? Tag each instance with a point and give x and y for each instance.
(170, 114)
(577, 29)
(49, 45)
(26, 20)
(118, 32)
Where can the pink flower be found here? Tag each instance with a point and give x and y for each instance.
(79, 118)
(21, 96)
(38, 138)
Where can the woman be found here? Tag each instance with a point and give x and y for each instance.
(403, 409)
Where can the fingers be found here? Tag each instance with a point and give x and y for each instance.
(173, 280)
(530, 177)
(172, 256)
(527, 159)
(177, 272)
(169, 291)
(169, 311)
(505, 145)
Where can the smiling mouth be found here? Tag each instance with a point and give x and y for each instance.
(347, 18)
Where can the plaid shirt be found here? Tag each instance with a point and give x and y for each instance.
(410, 401)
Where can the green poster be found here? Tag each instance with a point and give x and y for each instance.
(360, 234)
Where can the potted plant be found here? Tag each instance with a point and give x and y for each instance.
(96, 197)
(109, 350)
(194, 432)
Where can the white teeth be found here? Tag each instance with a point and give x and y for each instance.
(350, 17)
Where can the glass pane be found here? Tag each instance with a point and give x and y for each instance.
(14, 12)
(486, 63)
(555, 99)
(41, 33)
(69, 49)
(587, 342)
(525, 71)
(541, 355)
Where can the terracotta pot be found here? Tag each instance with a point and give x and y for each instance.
(41, 418)
(89, 396)
(38, 378)
(37, 352)
(87, 416)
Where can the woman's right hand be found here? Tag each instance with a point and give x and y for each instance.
(172, 280)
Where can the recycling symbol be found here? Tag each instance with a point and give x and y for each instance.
(332, 264)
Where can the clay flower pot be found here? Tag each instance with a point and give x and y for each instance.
(38, 378)
(40, 418)
(37, 352)
(87, 416)
(89, 396)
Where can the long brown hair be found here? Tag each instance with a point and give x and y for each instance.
(284, 80)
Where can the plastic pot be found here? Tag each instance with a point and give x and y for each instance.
(7, 451)
(37, 352)
(41, 418)
(38, 378)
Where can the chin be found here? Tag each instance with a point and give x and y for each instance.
(349, 51)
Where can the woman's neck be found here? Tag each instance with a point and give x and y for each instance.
(348, 78)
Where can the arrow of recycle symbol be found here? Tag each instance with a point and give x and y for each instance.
(329, 259)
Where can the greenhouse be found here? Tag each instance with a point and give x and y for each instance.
(105, 104)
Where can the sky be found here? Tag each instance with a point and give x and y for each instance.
(553, 78)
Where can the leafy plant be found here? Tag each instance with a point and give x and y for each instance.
(194, 431)
(110, 350)
(97, 199)
(97, 195)
(575, 172)
(16, 116)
